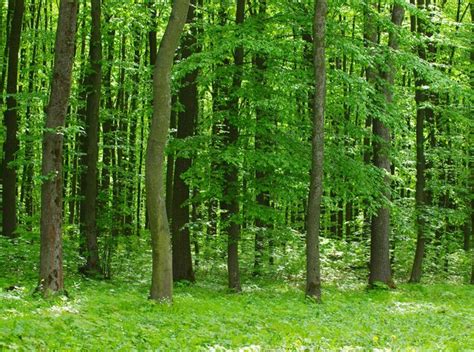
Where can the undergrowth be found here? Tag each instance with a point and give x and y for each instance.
(270, 314)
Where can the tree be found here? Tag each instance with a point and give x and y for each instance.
(187, 118)
(261, 143)
(420, 195)
(230, 203)
(89, 177)
(313, 271)
(11, 144)
(162, 276)
(51, 266)
(380, 269)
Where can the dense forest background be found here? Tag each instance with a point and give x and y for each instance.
(397, 138)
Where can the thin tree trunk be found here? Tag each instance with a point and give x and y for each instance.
(51, 268)
(132, 151)
(118, 193)
(11, 144)
(313, 271)
(420, 192)
(88, 206)
(230, 203)
(263, 196)
(162, 271)
(152, 52)
(10, 10)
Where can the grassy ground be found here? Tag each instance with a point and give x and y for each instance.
(101, 315)
(270, 314)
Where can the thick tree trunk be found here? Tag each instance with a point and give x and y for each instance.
(51, 268)
(89, 193)
(188, 96)
(11, 144)
(162, 272)
(313, 220)
(380, 268)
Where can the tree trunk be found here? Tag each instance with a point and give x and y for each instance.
(152, 58)
(11, 144)
(420, 192)
(188, 96)
(162, 272)
(132, 139)
(89, 193)
(380, 268)
(313, 271)
(261, 133)
(51, 268)
(230, 203)
(26, 196)
(10, 10)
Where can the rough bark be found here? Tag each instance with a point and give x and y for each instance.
(162, 272)
(313, 271)
(89, 192)
(188, 96)
(380, 268)
(51, 268)
(11, 144)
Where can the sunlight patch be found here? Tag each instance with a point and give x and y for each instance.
(409, 307)
(58, 310)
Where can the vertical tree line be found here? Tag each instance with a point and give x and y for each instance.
(213, 141)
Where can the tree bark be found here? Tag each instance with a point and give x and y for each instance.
(380, 268)
(89, 192)
(11, 144)
(162, 272)
(51, 268)
(313, 271)
(420, 192)
(188, 96)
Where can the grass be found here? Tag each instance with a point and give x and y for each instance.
(270, 313)
(101, 315)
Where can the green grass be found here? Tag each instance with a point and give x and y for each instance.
(270, 314)
(101, 315)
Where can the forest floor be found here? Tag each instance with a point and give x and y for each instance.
(270, 314)
(108, 315)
